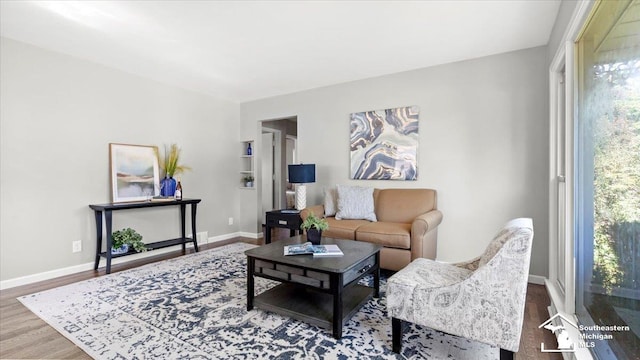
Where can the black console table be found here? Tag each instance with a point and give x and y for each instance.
(107, 209)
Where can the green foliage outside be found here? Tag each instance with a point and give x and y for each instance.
(617, 174)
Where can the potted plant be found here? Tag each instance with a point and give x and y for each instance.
(314, 226)
(248, 180)
(121, 240)
(171, 166)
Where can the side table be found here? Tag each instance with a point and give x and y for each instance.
(280, 219)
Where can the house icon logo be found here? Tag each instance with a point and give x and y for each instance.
(564, 342)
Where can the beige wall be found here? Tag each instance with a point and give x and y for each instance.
(58, 115)
(483, 143)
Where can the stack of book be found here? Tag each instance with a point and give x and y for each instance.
(316, 250)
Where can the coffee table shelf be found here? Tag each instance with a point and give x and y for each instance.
(312, 306)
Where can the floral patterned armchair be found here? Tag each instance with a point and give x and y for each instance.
(482, 299)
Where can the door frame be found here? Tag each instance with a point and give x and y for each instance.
(277, 167)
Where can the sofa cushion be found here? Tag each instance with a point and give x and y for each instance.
(330, 202)
(343, 229)
(355, 202)
(395, 235)
(404, 205)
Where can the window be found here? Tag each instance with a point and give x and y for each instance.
(607, 181)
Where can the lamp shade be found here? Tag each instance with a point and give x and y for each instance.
(302, 173)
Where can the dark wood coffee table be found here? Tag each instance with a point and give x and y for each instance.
(320, 291)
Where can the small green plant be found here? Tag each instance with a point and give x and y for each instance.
(312, 221)
(248, 178)
(127, 236)
(170, 162)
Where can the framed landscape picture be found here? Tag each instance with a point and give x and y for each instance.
(134, 172)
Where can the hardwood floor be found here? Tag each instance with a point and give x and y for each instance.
(23, 335)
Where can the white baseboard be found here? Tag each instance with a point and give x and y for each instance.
(537, 279)
(51, 274)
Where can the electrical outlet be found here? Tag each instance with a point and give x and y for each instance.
(202, 237)
(76, 246)
(230, 221)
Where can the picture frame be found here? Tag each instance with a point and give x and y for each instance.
(135, 172)
(384, 144)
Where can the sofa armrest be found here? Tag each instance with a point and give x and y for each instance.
(318, 210)
(424, 235)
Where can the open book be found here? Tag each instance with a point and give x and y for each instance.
(316, 250)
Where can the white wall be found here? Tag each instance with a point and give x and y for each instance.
(483, 142)
(58, 115)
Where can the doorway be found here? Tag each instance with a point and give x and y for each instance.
(279, 143)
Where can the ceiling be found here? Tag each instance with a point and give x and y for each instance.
(246, 50)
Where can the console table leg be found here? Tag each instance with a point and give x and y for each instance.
(193, 227)
(98, 215)
(183, 233)
(107, 218)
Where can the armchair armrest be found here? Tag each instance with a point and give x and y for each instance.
(469, 264)
(316, 209)
(424, 232)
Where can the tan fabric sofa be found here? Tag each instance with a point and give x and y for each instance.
(407, 225)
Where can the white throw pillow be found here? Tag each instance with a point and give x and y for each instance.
(355, 202)
(330, 202)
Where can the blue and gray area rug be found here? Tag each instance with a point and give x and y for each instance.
(194, 307)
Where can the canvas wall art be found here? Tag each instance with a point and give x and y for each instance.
(134, 172)
(384, 144)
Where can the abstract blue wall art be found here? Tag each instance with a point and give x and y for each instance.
(384, 144)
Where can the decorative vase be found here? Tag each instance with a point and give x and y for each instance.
(314, 235)
(249, 184)
(121, 250)
(168, 186)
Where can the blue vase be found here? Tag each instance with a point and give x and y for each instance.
(168, 186)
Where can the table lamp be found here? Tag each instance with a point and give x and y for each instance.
(302, 174)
